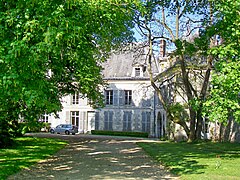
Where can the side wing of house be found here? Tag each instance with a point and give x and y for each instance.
(131, 105)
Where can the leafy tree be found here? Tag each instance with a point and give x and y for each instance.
(224, 99)
(178, 22)
(51, 48)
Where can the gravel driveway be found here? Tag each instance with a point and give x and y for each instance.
(96, 157)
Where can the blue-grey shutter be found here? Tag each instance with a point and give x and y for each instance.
(97, 121)
(129, 121)
(105, 97)
(124, 121)
(105, 120)
(132, 103)
(148, 121)
(110, 120)
(115, 97)
(143, 121)
(121, 97)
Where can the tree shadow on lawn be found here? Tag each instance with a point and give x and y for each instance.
(25, 152)
(191, 158)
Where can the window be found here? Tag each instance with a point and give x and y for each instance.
(75, 118)
(44, 118)
(137, 72)
(128, 97)
(146, 117)
(78, 118)
(108, 120)
(75, 98)
(127, 121)
(109, 97)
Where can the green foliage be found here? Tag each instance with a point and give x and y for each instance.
(204, 160)
(51, 48)
(195, 103)
(177, 112)
(34, 126)
(224, 100)
(26, 152)
(119, 133)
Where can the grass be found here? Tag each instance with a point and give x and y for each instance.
(205, 160)
(26, 152)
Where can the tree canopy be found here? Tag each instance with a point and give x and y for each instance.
(51, 48)
(224, 99)
(179, 23)
(204, 40)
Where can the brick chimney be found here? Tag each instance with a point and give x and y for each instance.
(162, 48)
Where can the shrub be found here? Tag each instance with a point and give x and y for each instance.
(5, 141)
(120, 133)
(35, 126)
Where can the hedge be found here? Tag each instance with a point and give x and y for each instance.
(120, 133)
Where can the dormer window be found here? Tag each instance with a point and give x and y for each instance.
(137, 72)
(75, 98)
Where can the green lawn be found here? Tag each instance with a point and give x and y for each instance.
(26, 152)
(204, 160)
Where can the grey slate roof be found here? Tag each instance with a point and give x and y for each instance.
(120, 65)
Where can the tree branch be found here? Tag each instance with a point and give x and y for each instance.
(163, 22)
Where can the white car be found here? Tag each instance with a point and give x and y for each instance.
(64, 129)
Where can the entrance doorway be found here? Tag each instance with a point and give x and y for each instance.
(78, 118)
(160, 132)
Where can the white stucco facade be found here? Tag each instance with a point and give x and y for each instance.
(144, 113)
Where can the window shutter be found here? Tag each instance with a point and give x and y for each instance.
(148, 122)
(129, 121)
(124, 121)
(105, 120)
(97, 121)
(110, 120)
(70, 98)
(115, 97)
(67, 117)
(121, 97)
(105, 97)
(143, 121)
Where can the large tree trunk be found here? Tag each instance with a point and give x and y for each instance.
(189, 94)
(192, 136)
(199, 124)
(227, 130)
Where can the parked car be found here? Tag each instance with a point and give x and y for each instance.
(64, 129)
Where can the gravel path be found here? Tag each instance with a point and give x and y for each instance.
(96, 157)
